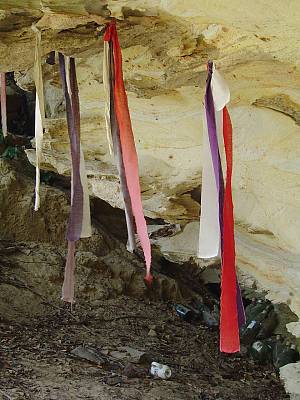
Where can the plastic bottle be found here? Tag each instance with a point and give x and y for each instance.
(268, 326)
(278, 348)
(249, 333)
(258, 308)
(160, 370)
(250, 307)
(254, 309)
(184, 312)
(210, 318)
(287, 356)
(261, 351)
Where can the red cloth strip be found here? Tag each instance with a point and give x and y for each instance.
(115, 135)
(129, 154)
(229, 329)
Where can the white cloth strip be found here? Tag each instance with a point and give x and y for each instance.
(220, 90)
(39, 114)
(209, 235)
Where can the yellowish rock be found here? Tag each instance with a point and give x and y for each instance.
(166, 44)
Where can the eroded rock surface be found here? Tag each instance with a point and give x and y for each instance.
(166, 44)
(33, 254)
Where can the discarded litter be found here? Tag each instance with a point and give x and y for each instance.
(255, 308)
(160, 370)
(268, 326)
(287, 355)
(255, 335)
(250, 330)
(261, 351)
(184, 312)
(199, 311)
(211, 318)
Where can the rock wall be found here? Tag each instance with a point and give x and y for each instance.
(33, 254)
(166, 44)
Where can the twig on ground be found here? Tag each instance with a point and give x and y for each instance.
(6, 396)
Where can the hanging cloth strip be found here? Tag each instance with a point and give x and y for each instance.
(107, 93)
(39, 113)
(3, 104)
(79, 224)
(126, 155)
(115, 132)
(221, 96)
(216, 224)
(113, 136)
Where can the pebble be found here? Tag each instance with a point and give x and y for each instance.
(130, 371)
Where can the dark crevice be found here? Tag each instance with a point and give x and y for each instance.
(20, 108)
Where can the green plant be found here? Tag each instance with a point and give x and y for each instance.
(46, 177)
(10, 153)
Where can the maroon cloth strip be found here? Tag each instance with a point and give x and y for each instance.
(72, 109)
(75, 99)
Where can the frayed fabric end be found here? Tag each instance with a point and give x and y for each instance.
(69, 278)
(148, 280)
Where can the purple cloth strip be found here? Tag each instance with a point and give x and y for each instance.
(212, 129)
(72, 109)
(51, 58)
(240, 305)
(214, 147)
(115, 133)
(75, 100)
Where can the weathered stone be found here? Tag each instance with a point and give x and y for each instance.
(166, 45)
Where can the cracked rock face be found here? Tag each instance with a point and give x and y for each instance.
(166, 44)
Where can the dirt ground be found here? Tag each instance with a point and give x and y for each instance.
(113, 309)
(36, 359)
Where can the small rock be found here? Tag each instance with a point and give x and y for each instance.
(89, 353)
(243, 351)
(152, 333)
(113, 380)
(3, 364)
(130, 371)
(134, 355)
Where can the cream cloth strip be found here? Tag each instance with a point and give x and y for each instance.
(39, 113)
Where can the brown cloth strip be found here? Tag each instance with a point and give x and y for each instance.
(76, 213)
